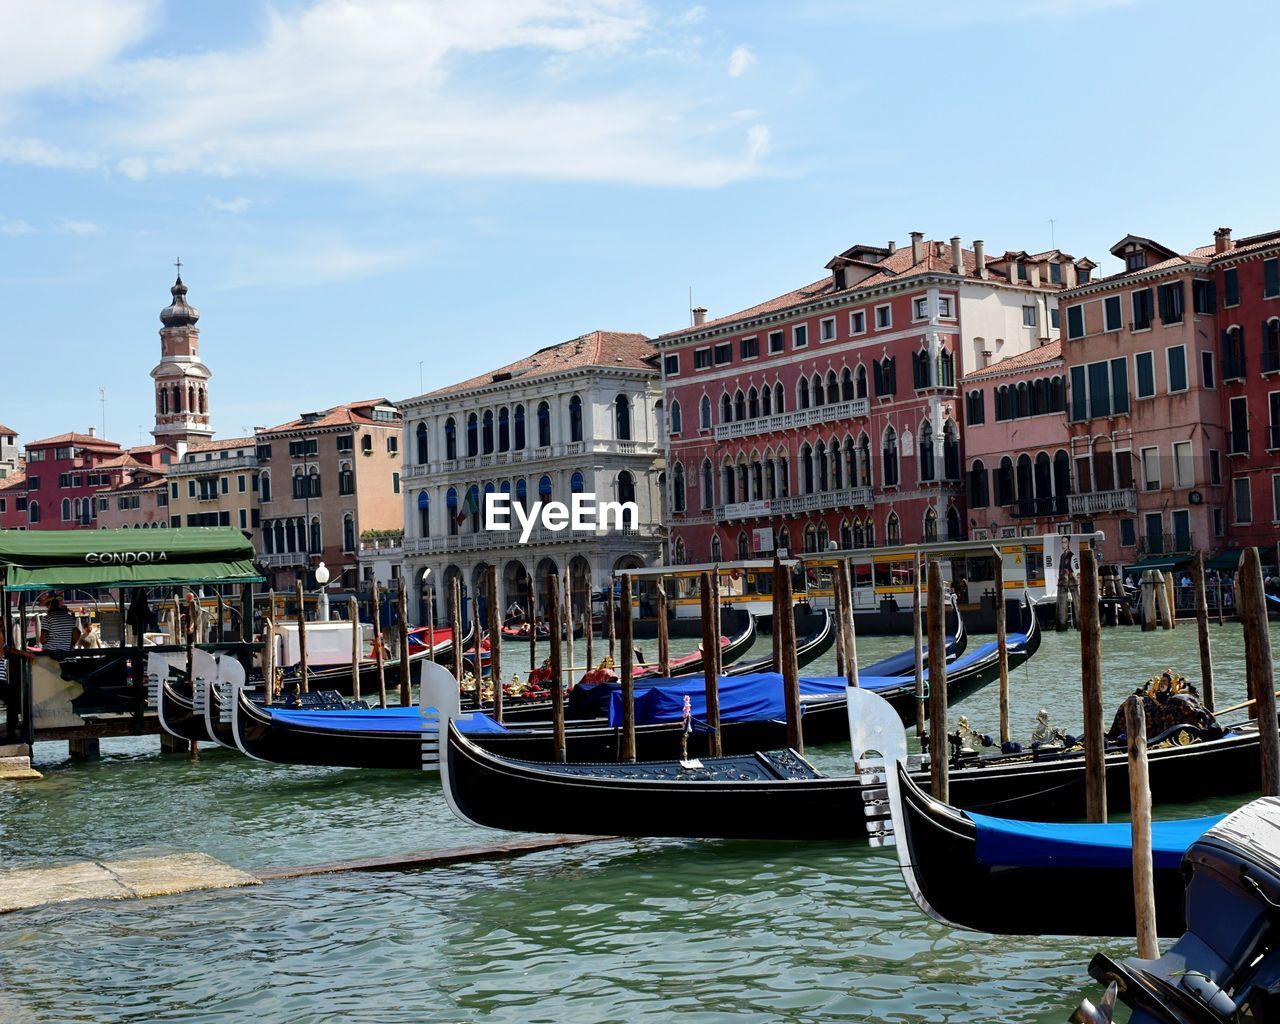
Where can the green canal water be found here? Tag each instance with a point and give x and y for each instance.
(620, 931)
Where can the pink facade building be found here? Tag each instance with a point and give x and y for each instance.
(831, 413)
(1016, 447)
(1145, 413)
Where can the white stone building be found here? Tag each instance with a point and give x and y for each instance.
(581, 416)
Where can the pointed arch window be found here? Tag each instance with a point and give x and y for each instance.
(890, 458)
(316, 547)
(716, 551)
(806, 468)
(677, 488)
(930, 526)
(753, 403)
(676, 425)
(744, 549)
(860, 382)
(708, 487)
(818, 392)
(766, 401)
(726, 408)
(846, 385)
(950, 451)
(802, 393)
(927, 468)
(779, 399)
(892, 529)
(704, 413)
(739, 405)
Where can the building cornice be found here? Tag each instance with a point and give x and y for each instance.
(1108, 284)
(596, 372)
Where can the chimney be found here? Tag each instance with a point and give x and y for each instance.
(986, 357)
(93, 431)
(699, 315)
(1222, 240)
(917, 247)
(980, 257)
(893, 247)
(957, 256)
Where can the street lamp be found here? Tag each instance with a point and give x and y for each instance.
(322, 581)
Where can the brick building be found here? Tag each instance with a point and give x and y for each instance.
(830, 413)
(216, 484)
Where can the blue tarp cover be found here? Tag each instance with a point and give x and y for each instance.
(391, 720)
(758, 697)
(1006, 843)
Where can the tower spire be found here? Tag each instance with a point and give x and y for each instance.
(181, 379)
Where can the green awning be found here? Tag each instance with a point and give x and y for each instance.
(1228, 561)
(1163, 563)
(100, 559)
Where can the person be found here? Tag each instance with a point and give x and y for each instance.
(514, 612)
(58, 632)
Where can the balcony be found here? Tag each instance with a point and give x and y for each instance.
(1123, 500)
(852, 409)
(204, 467)
(1237, 442)
(497, 539)
(1165, 544)
(1233, 367)
(284, 559)
(820, 501)
(1028, 508)
(572, 449)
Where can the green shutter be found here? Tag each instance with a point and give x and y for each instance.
(1079, 395)
(1119, 386)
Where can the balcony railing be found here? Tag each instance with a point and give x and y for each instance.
(498, 539)
(598, 446)
(1123, 500)
(1164, 544)
(1233, 367)
(203, 467)
(1031, 507)
(846, 497)
(1237, 442)
(851, 409)
(282, 559)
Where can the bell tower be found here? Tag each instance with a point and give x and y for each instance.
(181, 379)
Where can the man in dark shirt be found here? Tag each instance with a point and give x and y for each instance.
(58, 631)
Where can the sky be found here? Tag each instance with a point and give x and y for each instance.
(373, 198)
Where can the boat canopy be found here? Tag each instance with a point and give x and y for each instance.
(102, 559)
(1162, 563)
(1225, 561)
(1003, 842)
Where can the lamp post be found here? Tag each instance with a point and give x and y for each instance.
(322, 603)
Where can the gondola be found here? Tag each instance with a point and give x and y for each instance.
(338, 677)
(969, 870)
(172, 697)
(518, 634)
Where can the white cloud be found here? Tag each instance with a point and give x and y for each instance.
(68, 226)
(759, 141)
(39, 153)
(691, 16)
(741, 59)
(948, 13)
(370, 89)
(314, 258)
(237, 205)
(49, 41)
(16, 227)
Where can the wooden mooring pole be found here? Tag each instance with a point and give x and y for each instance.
(628, 677)
(1002, 643)
(844, 595)
(1144, 890)
(613, 625)
(455, 622)
(353, 611)
(557, 679)
(664, 636)
(917, 641)
(1202, 630)
(787, 654)
(379, 653)
(190, 641)
(495, 641)
(775, 628)
(533, 625)
(568, 623)
(406, 672)
(710, 640)
(268, 660)
(1148, 601)
(1095, 755)
(477, 650)
(1259, 670)
(939, 762)
(302, 639)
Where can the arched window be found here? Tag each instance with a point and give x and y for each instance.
(204, 400)
(473, 435)
(927, 469)
(779, 399)
(806, 468)
(176, 404)
(837, 466)
(930, 526)
(892, 529)
(544, 424)
(264, 487)
(1002, 403)
(451, 510)
(716, 552)
(818, 393)
(518, 441)
(677, 488)
(810, 539)
(739, 405)
(1061, 480)
(846, 535)
(728, 490)
(424, 514)
(544, 487)
(268, 539)
(955, 528)
(744, 483)
(450, 439)
(766, 401)
(504, 429)
(833, 388)
(864, 461)
(950, 451)
(293, 538)
(846, 385)
(974, 408)
(681, 555)
(1026, 486)
(626, 486)
(820, 459)
(1004, 482)
(1039, 396)
(726, 408)
(575, 419)
(757, 480)
(704, 413)
(421, 435)
(1044, 483)
(577, 484)
(890, 459)
(859, 535)
(744, 548)
(191, 398)
(164, 400)
(522, 493)
(1022, 401)
(348, 532)
(770, 479)
(979, 493)
(860, 382)
(708, 492)
(824, 537)
(316, 546)
(676, 425)
(1057, 394)
(920, 369)
(871, 532)
(802, 393)
(753, 403)
(946, 379)
(473, 507)
(66, 510)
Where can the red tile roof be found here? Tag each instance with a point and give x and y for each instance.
(221, 445)
(18, 476)
(614, 349)
(80, 440)
(936, 259)
(125, 461)
(339, 415)
(1047, 353)
(7, 430)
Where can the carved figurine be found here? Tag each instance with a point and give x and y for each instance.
(1045, 734)
(970, 738)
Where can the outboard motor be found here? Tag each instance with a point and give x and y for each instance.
(1226, 968)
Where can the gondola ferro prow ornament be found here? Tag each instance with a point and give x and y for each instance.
(878, 744)
(439, 701)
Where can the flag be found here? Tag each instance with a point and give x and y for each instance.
(470, 506)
